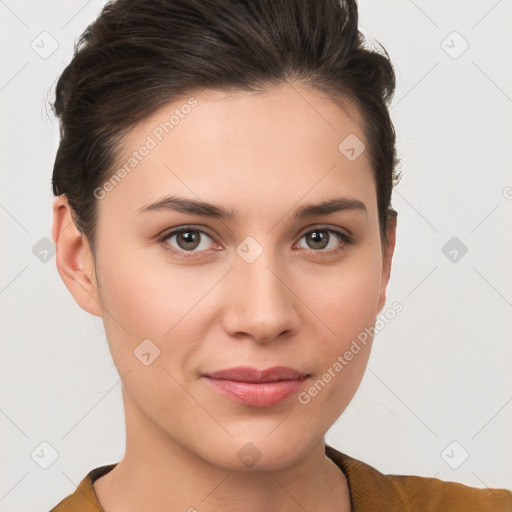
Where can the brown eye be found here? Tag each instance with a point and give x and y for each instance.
(187, 240)
(320, 239)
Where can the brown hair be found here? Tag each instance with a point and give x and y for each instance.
(139, 55)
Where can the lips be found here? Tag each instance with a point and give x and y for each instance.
(258, 388)
(248, 374)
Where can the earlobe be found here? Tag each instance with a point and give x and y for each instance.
(74, 258)
(387, 257)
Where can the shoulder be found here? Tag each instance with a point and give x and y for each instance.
(372, 490)
(84, 498)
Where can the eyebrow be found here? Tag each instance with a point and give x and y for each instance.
(202, 208)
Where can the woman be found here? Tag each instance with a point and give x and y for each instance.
(223, 186)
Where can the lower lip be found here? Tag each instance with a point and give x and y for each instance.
(262, 394)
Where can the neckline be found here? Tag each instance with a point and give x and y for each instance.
(339, 458)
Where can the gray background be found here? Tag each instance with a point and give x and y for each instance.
(438, 387)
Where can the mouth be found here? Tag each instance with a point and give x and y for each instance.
(248, 374)
(257, 388)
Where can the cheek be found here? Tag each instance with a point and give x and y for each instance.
(346, 300)
(142, 292)
(146, 298)
(346, 309)
(147, 302)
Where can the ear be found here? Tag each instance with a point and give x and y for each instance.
(75, 263)
(387, 256)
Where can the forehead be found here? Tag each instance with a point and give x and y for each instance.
(245, 149)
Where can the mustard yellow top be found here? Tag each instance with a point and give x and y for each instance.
(370, 491)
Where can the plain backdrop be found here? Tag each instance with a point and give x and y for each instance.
(436, 399)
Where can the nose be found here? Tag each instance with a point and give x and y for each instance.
(260, 301)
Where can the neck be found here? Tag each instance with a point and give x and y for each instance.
(159, 474)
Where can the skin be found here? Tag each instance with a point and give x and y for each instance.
(263, 155)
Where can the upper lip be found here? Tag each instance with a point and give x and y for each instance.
(248, 374)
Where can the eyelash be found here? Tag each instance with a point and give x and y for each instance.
(345, 238)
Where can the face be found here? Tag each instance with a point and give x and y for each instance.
(262, 287)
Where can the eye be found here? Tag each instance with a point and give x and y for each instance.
(187, 239)
(322, 238)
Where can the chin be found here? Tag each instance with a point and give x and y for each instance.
(256, 453)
